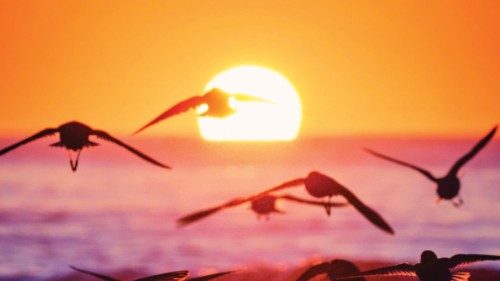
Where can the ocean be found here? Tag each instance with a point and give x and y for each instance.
(118, 212)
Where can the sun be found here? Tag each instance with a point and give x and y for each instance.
(276, 120)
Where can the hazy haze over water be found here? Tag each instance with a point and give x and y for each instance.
(118, 211)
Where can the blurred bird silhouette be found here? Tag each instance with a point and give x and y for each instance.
(169, 276)
(320, 186)
(216, 100)
(430, 268)
(262, 204)
(448, 186)
(74, 136)
(333, 270)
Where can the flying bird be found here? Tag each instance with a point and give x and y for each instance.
(333, 270)
(216, 100)
(74, 136)
(448, 186)
(263, 204)
(169, 276)
(321, 186)
(430, 268)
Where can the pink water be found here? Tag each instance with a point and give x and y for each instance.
(118, 212)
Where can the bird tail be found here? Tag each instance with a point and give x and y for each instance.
(460, 276)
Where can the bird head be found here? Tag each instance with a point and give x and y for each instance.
(428, 256)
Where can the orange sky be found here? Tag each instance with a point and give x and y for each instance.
(361, 67)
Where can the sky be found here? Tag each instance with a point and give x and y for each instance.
(360, 67)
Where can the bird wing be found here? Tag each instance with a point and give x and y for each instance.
(246, 97)
(181, 107)
(403, 269)
(98, 275)
(314, 271)
(105, 136)
(210, 211)
(235, 202)
(311, 202)
(285, 185)
(463, 259)
(169, 276)
(210, 277)
(464, 159)
(421, 170)
(41, 134)
(460, 276)
(367, 212)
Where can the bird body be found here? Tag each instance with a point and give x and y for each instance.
(218, 104)
(320, 186)
(74, 136)
(265, 205)
(430, 267)
(448, 186)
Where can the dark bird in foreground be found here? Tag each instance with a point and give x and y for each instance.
(262, 204)
(448, 186)
(169, 276)
(333, 270)
(216, 100)
(74, 136)
(320, 186)
(430, 268)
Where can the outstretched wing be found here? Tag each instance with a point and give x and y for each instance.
(181, 107)
(482, 143)
(207, 212)
(235, 202)
(41, 134)
(285, 185)
(314, 271)
(210, 277)
(403, 269)
(406, 164)
(98, 275)
(246, 97)
(463, 259)
(367, 212)
(169, 276)
(311, 202)
(105, 136)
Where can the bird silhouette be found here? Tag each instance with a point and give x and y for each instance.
(169, 276)
(333, 269)
(263, 204)
(448, 186)
(74, 136)
(320, 186)
(216, 100)
(430, 268)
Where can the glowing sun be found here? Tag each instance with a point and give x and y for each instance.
(278, 119)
